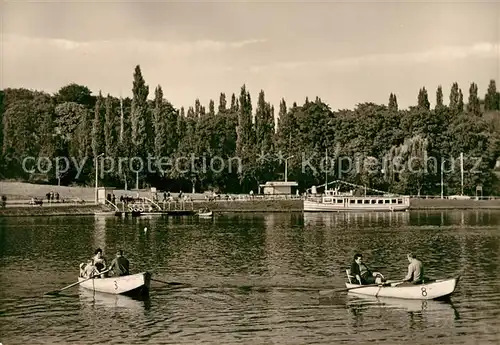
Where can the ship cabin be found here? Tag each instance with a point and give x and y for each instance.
(348, 199)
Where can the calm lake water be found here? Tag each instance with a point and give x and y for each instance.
(254, 279)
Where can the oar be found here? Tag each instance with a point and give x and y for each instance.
(168, 283)
(56, 292)
(362, 286)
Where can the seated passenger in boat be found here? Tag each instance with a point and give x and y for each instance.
(363, 274)
(82, 269)
(415, 273)
(120, 265)
(99, 260)
(89, 270)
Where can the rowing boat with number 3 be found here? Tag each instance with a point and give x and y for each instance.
(433, 290)
(134, 284)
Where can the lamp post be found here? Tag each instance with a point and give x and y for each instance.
(442, 182)
(462, 172)
(96, 177)
(286, 168)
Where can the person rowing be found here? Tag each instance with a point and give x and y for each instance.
(120, 265)
(363, 274)
(415, 275)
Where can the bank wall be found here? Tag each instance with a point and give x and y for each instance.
(72, 210)
(443, 204)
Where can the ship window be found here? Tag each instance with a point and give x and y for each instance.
(340, 201)
(352, 201)
(381, 201)
(360, 201)
(387, 201)
(374, 201)
(393, 201)
(400, 201)
(327, 200)
(367, 201)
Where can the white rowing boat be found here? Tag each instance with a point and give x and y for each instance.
(105, 213)
(205, 214)
(432, 290)
(134, 284)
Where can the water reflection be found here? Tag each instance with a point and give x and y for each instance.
(99, 233)
(356, 301)
(346, 219)
(455, 218)
(250, 275)
(410, 314)
(93, 299)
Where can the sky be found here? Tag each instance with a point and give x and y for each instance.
(345, 53)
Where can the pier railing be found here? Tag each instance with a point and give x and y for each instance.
(188, 202)
(146, 204)
(249, 197)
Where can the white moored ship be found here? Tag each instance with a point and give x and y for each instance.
(335, 201)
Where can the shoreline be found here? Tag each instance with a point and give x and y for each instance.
(447, 204)
(64, 210)
(248, 206)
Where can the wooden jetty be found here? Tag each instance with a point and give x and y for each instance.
(146, 213)
(145, 206)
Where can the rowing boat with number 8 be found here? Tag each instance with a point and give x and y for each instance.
(436, 289)
(134, 284)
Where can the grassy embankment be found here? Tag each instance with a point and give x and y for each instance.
(19, 194)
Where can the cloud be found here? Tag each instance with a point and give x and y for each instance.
(154, 47)
(445, 53)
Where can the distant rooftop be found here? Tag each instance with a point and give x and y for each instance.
(280, 184)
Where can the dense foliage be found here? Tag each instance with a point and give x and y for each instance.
(235, 146)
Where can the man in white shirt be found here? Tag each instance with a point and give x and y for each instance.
(415, 271)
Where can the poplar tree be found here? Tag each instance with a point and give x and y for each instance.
(423, 99)
(222, 103)
(473, 104)
(491, 99)
(159, 120)
(393, 102)
(439, 97)
(460, 104)
(244, 129)
(110, 125)
(234, 104)
(454, 97)
(211, 108)
(97, 128)
(138, 115)
(264, 124)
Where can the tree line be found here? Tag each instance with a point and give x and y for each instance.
(363, 143)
